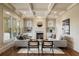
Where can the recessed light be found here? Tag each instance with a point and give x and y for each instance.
(55, 12)
(7, 12)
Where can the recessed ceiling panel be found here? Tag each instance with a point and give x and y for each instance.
(20, 6)
(41, 9)
(40, 6)
(61, 6)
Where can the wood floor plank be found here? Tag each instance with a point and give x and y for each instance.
(13, 52)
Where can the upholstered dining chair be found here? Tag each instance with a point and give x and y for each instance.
(47, 44)
(33, 44)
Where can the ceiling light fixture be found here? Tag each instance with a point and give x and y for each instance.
(7, 12)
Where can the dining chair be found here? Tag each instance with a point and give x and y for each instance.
(33, 44)
(47, 44)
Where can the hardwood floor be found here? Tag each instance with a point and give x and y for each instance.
(13, 52)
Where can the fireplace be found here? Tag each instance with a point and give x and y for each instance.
(39, 35)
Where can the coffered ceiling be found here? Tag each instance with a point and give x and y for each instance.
(50, 10)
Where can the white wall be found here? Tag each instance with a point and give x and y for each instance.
(43, 29)
(51, 23)
(73, 14)
(58, 28)
(7, 46)
(39, 29)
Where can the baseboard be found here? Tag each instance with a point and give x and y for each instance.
(6, 47)
(74, 50)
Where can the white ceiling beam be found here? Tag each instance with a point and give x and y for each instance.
(30, 8)
(68, 8)
(71, 6)
(50, 7)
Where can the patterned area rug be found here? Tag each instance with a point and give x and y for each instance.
(46, 50)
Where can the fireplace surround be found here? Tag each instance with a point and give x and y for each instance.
(39, 36)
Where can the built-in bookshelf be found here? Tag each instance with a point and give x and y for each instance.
(28, 25)
(51, 29)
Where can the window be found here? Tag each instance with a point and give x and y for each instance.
(9, 26)
(66, 26)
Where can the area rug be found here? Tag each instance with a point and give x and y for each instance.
(58, 51)
(55, 50)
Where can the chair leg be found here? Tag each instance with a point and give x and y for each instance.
(28, 50)
(38, 51)
(42, 51)
(53, 51)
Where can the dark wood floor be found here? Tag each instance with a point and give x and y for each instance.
(13, 52)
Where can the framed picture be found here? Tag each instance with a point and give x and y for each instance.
(66, 26)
